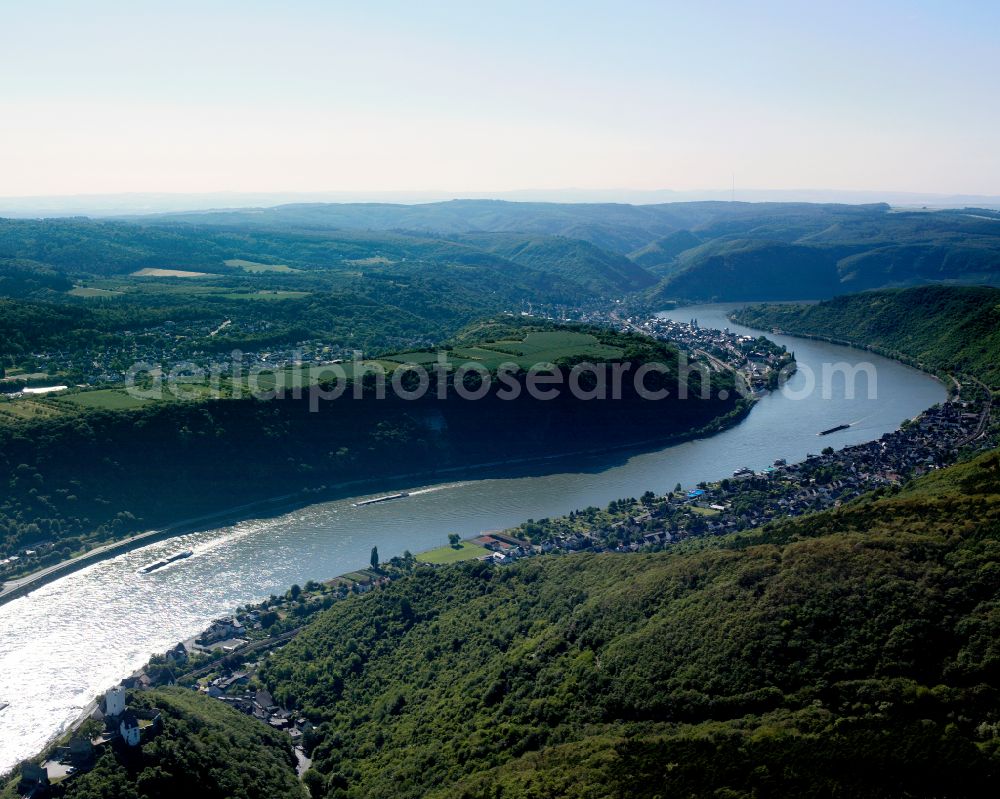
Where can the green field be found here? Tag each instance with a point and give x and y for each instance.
(14, 375)
(27, 410)
(553, 343)
(703, 511)
(450, 554)
(268, 380)
(537, 347)
(182, 289)
(111, 399)
(424, 358)
(361, 575)
(256, 268)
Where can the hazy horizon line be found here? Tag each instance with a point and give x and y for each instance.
(155, 202)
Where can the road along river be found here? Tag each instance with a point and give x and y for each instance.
(73, 638)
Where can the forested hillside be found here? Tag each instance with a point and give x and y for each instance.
(703, 250)
(790, 256)
(852, 653)
(205, 750)
(738, 269)
(437, 265)
(659, 254)
(352, 289)
(75, 476)
(570, 259)
(946, 328)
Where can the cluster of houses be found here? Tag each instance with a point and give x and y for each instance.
(755, 359)
(175, 342)
(752, 498)
(252, 628)
(259, 704)
(28, 558)
(125, 728)
(243, 633)
(227, 634)
(503, 548)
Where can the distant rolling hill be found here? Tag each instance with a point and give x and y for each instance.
(658, 254)
(791, 258)
(579, 261)
(702, 250)
(538, 252)
(613, 226)
(752, 269)
(39, 257)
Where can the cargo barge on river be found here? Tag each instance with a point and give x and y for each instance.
(836, 429)
(152, 567)
(376, 500)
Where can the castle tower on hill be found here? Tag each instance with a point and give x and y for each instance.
(114, 702)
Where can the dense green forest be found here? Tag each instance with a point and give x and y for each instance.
(943, 328)
(424, 270)
(205, 750)
(92, 475)
(851, 653)
(702, 250)
(374, 291)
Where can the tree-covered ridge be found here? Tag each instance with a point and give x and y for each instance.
(617, 227)
(702, 250)
(797, 259)
(852, 653)
(205, 750)
(548, 266)
(85, 476)
(942, 328)
(765, 250)
(463, 256)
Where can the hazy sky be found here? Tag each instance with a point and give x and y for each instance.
(296, 95)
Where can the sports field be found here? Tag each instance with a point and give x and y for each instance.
(450, 554)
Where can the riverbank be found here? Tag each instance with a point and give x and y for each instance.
(20, 587)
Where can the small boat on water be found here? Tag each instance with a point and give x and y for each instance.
(152, 567)
(836, 429)
(376, 500)
(4, 706)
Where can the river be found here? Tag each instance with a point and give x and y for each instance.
(74, 638)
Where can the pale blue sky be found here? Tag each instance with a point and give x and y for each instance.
(104, 96)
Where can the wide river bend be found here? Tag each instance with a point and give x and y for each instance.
(73, 638)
